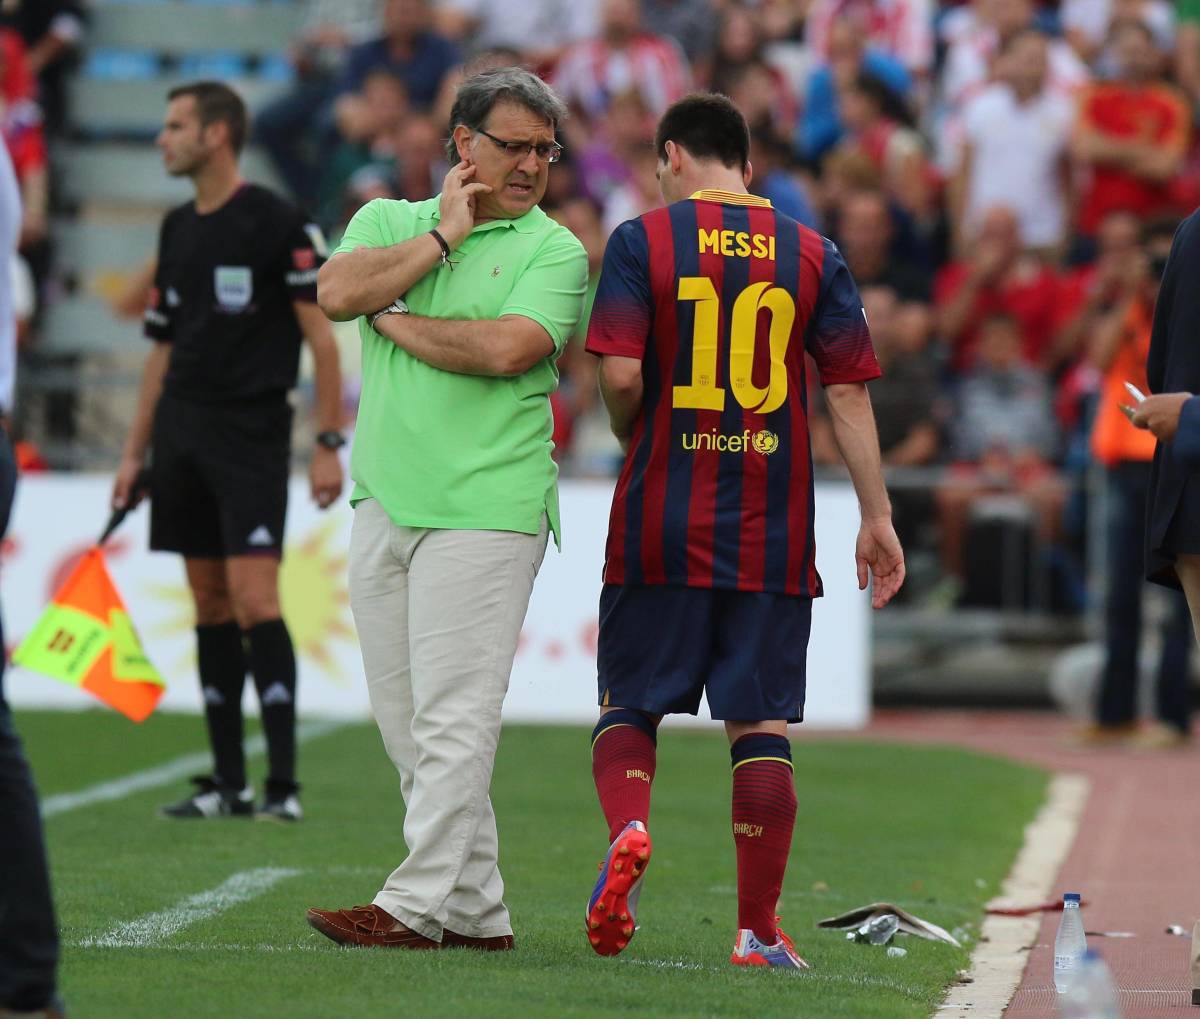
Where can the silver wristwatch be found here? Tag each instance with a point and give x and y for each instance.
(397, 307)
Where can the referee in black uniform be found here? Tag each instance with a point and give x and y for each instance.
(234, 294)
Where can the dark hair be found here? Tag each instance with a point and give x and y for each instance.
(216, 103)
(887, 100)
(1159, 227)
(479, 93)
(709, 126)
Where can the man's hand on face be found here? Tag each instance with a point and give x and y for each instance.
(457, 206)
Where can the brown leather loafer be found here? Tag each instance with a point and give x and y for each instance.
(367, 927)
(501, 943)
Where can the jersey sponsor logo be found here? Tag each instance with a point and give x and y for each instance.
(304, 258)
(736, 243)
(300, 279)
(763, 441)
(320, 245)
(234, 285)
(260, 536)
(496, 271)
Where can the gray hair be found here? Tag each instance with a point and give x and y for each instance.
(478, 94)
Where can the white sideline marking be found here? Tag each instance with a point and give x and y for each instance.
(154, 927)
(163, 774)
(998, 962)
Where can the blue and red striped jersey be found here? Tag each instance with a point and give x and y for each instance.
(720, 296)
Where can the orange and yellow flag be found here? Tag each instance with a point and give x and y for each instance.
(85, 638)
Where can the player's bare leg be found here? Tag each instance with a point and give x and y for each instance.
(764, 814)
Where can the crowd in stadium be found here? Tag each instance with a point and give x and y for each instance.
(999, 174)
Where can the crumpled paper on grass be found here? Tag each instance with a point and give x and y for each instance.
(909, 924)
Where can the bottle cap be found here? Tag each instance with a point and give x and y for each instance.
(1071, 897)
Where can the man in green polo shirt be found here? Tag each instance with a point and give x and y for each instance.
(464, 303)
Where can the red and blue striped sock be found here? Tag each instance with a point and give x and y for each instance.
(764, 814)
(623, 756)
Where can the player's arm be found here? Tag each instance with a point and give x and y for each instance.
(620, 326)
(505, 347)
(325, 469)
(361, 281)
(622, 389)
(137, 442)
(877, 549)
(840, 344)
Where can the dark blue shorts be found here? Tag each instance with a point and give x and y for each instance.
(661, 647)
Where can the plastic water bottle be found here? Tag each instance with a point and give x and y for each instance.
(1090, 992)
(1069, 942)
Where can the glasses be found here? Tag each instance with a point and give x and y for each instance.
(546, 152)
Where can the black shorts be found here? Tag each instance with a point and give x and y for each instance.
(219, 477)
(660, 647)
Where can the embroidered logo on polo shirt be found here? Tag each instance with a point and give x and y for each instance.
(496, 272)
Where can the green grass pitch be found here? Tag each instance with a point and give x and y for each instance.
(932, 829)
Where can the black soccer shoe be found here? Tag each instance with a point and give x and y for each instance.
(210, 801)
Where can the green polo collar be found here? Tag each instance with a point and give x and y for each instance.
(530, 223)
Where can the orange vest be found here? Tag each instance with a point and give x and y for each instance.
(1113, 437)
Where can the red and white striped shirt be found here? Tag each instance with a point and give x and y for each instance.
(592, 72)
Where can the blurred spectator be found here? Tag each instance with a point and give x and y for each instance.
(1187, 47)
(577, 393)
(740, 65)
(604, 163)
(865, 234)
(901, 28)
(1090, 291)
(905, 399)
(369, 128)
(623, 56)
(638, 195)
(764, 97)
(52, 31)
(1015, 149)
(997, 278)
(848, 57)
(1118, 349)
(1087, 25)
(1004, 438)
(296, 126)
(879, 125)
(771, 157)
(1132, 133)
(408, 49)
(538, 32)
(691, 23)
(983, 34)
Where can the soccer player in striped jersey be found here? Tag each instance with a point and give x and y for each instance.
(703, 316)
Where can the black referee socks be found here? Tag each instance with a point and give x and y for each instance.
(222, 664)
(273, 662)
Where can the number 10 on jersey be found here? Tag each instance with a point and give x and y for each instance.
(703, 393)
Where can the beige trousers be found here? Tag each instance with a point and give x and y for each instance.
(1187, 569)
(439, 613)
